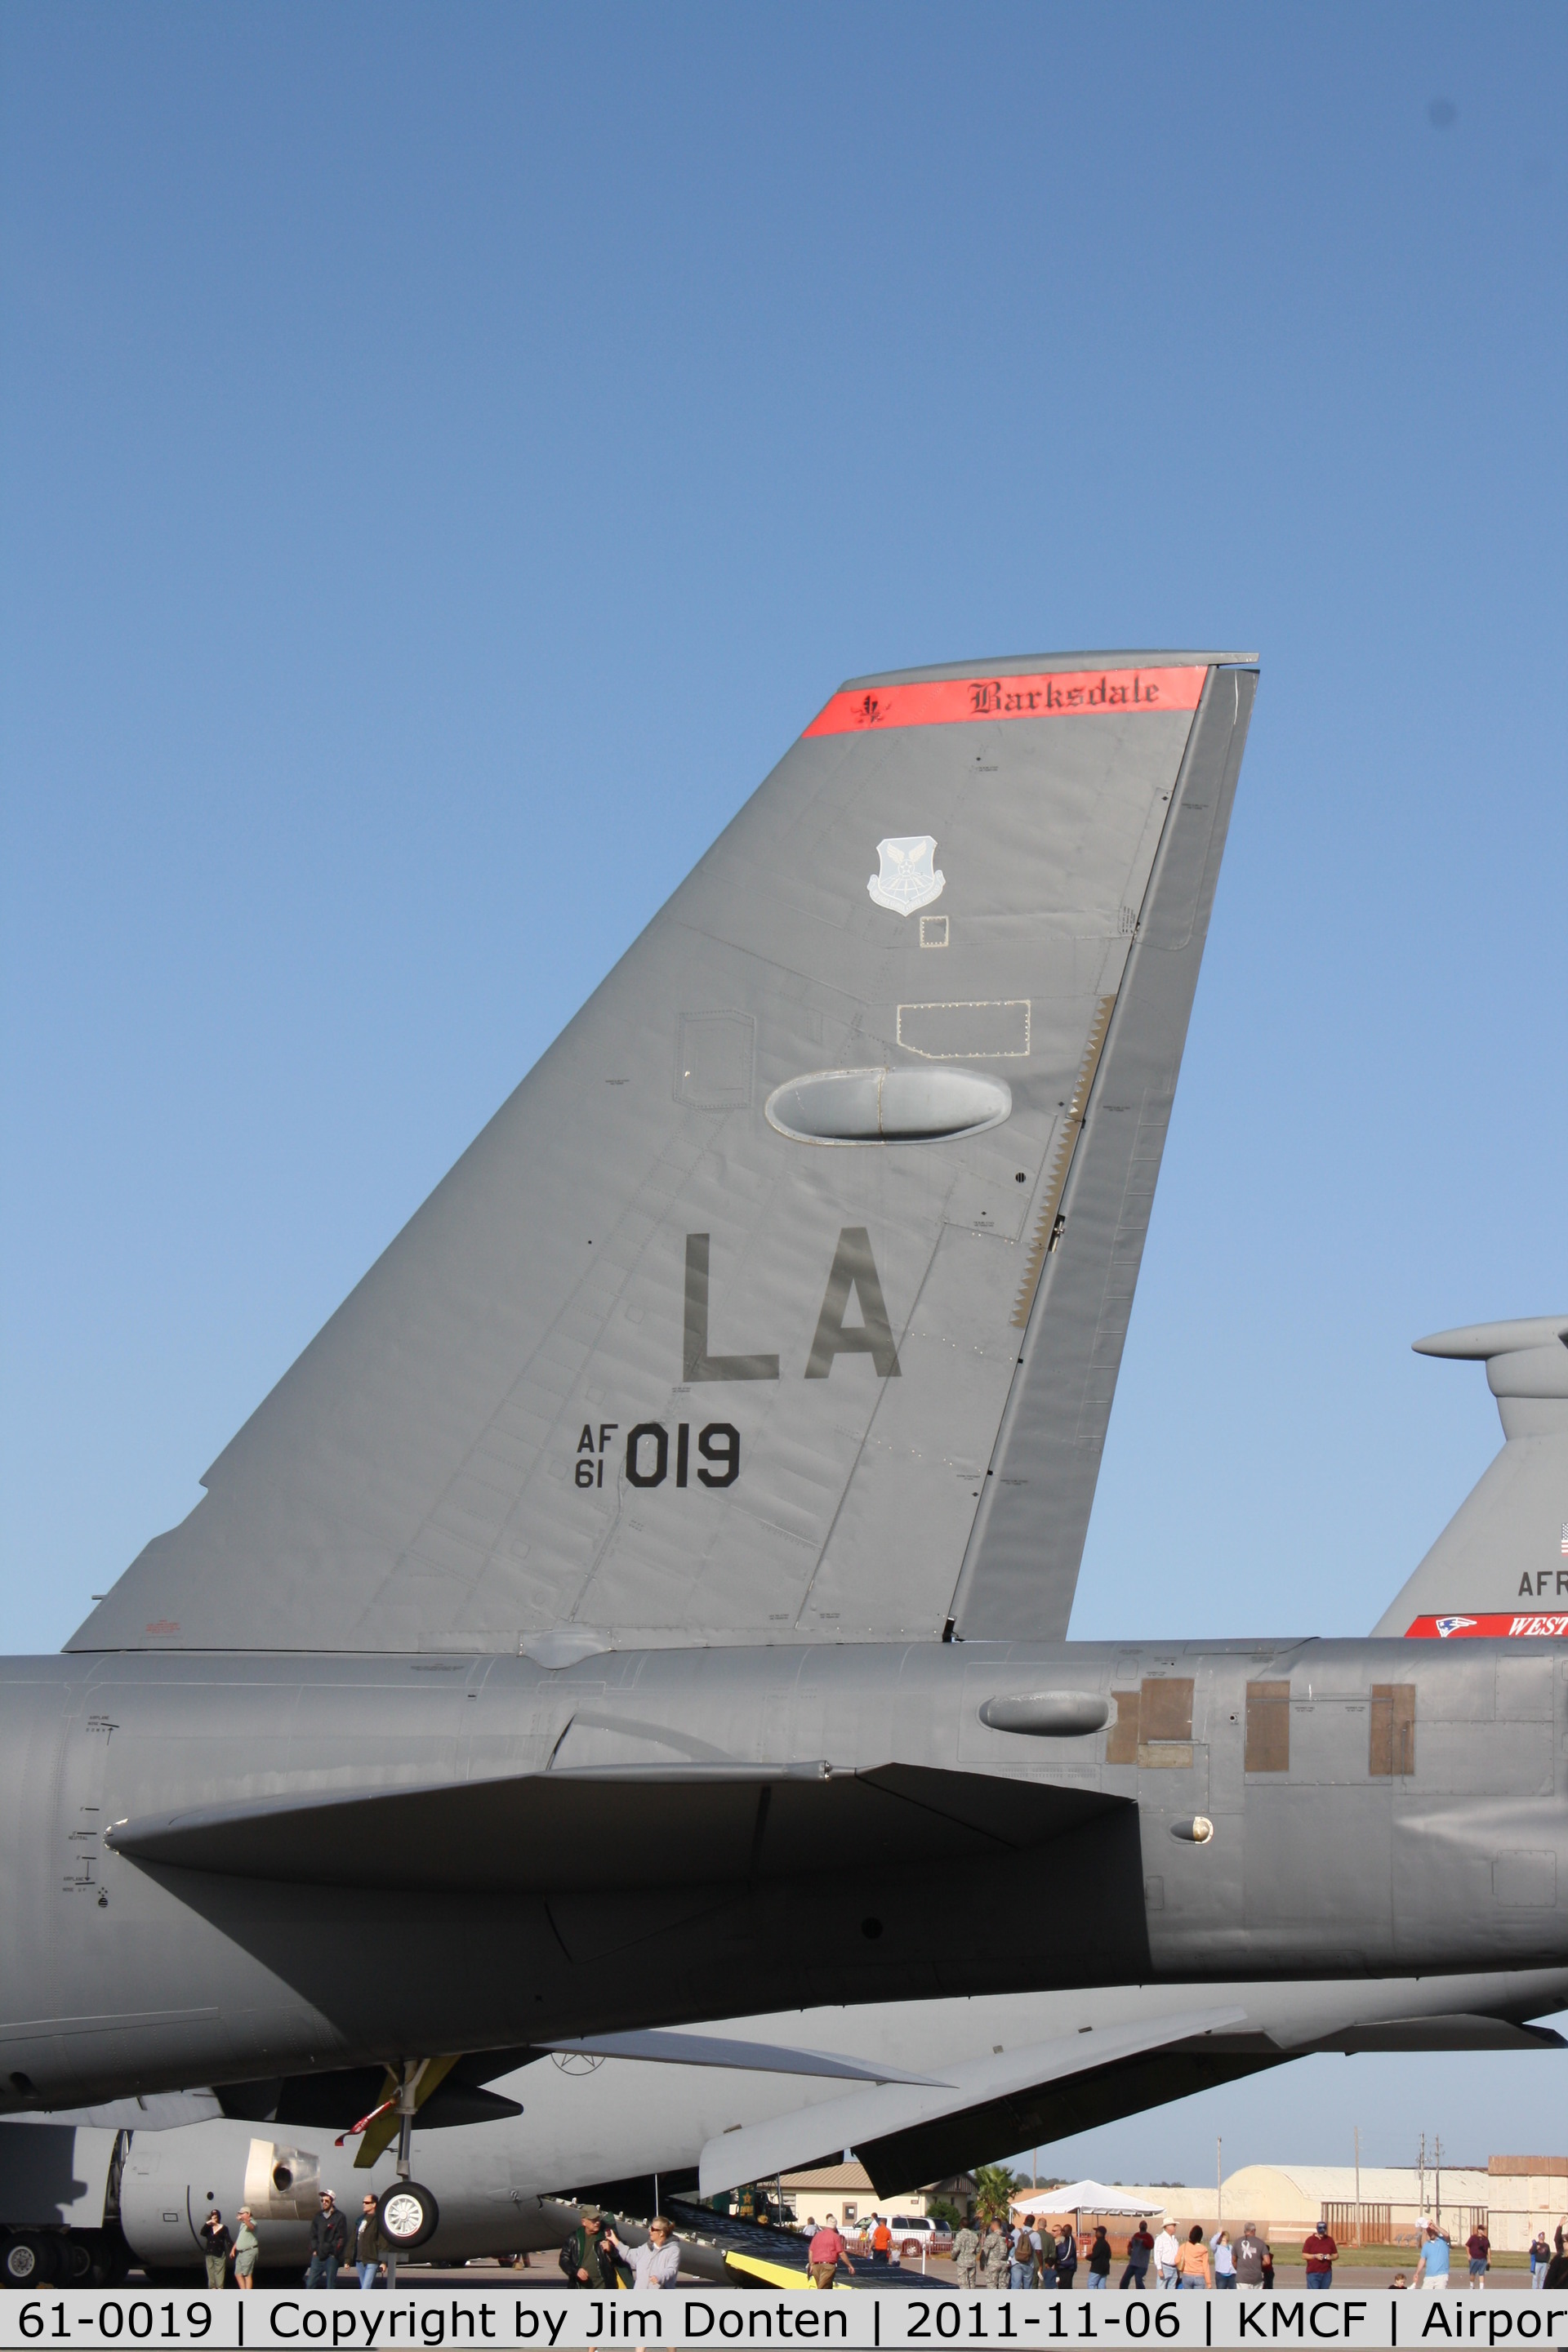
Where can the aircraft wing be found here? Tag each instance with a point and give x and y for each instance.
(981, 2087)
(785, 1298)
(546, 1833)
(1025, 2097)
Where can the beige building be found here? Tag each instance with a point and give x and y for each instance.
(844, 2191)
(1511, 2200)
(1527, 2193)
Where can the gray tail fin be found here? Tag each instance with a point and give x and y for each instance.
(1501, 1565)
(842, 1171)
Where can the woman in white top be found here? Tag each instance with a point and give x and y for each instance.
(657, 2263)
(1224, 2259)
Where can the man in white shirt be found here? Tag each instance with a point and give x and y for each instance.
(1166, 2252)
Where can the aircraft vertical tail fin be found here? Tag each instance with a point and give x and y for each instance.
(1501, 1565)
(707, 1338)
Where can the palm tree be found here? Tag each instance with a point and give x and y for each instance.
(995, 2189)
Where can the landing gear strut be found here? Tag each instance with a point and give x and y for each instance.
(407, 2213)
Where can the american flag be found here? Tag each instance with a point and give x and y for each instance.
(1565, 1543)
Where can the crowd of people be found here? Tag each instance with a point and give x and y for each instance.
(1025, 2252)
(1031, 2253)
(331, 2250)
(1018, 2254)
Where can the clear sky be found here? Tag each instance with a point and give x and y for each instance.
(448, 454)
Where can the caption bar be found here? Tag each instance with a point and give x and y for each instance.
(428, 2317)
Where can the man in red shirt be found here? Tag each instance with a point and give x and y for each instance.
(1318, 2251)
(824, 2253)
(1140, 2246)
(1478, 2247)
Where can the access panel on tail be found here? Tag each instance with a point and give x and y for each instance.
(794, 1279)
(1501, 1565)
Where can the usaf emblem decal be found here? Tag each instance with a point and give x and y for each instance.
(906, 880)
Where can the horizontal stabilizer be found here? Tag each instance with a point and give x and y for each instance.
(1501, 1565)
(786, 2142)
(547, 1832)
(785, 1298)
(1460, 2031)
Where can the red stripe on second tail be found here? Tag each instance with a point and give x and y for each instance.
(1526, 1626)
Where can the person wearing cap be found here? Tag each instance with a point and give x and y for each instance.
(656, 2264)
(1318, 2251)
(246, 2246)
(588, 2256)
(329, 2244)
(1167, 2246)
(1432, 2270)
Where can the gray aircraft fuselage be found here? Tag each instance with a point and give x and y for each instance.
(325, 1861)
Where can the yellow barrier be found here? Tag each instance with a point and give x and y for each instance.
(775, 2273)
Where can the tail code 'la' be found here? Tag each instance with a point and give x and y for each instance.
(1501, 1565)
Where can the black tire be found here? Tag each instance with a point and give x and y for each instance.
(110, 2257)
(78, 2254)
(407, 2215)
(27, 2260)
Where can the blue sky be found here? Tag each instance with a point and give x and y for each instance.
(447, 456)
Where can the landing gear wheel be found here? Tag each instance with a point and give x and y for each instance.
(27, 2260)
(407, 2215)
(110, 2257)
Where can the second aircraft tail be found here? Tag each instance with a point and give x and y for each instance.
(1501, 1565)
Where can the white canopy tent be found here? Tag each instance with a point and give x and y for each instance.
(1083, 2196)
